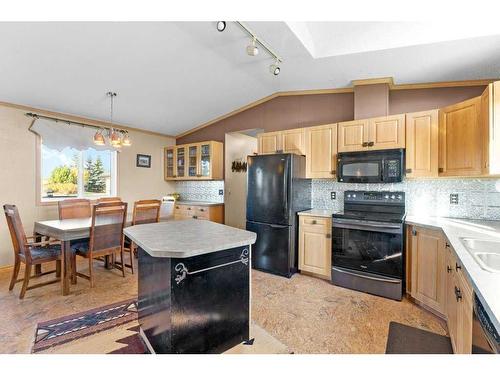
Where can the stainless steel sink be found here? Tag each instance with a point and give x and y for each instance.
(485, 252)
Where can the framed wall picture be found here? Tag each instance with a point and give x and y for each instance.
(143, 161)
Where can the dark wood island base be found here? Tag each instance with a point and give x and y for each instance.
(199, 304)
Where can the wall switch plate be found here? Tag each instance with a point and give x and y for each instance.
(221, 192)
(333, 195)
(454, 198)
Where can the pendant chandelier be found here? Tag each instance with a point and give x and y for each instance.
(117, 137)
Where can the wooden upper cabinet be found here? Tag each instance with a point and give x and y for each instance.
(461, 139)
(422, 135)
(386, 132)
(169, 163)
(292, 141)
(428, 280)
(269, 143)
(194, 161)
(378, 133)
(353, 135)
(321, 151)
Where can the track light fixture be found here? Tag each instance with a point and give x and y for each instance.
(275, 68)
(252, 49)
(221, 26)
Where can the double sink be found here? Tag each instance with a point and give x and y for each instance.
(486, 253)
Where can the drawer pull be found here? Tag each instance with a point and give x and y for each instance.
(202, 209)
(195, 217)
(189, 208)
(183, 272)
(314, 222)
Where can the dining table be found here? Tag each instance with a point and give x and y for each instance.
(66, 231)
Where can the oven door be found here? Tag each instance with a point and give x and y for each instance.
(357, 170)
(368, 246)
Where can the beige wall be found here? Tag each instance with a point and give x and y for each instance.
(18, 173)
(237, 146)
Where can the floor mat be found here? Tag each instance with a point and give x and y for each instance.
(74, 327)
(404, 339)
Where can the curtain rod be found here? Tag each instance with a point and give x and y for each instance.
(37, 116)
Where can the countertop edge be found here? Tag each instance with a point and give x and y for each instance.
(440, 224)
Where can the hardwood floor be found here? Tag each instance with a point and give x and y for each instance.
(308, 315)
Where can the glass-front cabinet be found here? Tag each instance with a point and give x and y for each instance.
(181, 162)
(205, 160)
(169, 162)
(194, 161)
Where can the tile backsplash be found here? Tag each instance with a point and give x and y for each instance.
(477, 198)
(206, 191)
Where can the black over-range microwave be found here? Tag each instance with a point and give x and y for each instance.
(371, 166)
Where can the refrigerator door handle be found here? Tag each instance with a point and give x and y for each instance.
(278, 226)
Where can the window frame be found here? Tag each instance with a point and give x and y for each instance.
(38, 178)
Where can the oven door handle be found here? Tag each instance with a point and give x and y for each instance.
(365, 276)
(368, 226)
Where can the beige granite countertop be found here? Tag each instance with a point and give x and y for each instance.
(199, 203)
(486, 284)
(187, 238)
(317, 212)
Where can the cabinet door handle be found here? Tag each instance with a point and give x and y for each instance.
(333, 172)
(314, 222)
(440, 170)
(458, 294)
(371, 143)
(202, 209)
(328, 235)
(457, 267)
(189, 208)
(447, 245)
(365, 144)
(448, 269)
(408, 170)
(195, 217)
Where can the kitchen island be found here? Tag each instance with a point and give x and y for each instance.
(194, 285)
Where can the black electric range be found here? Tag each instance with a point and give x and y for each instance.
(368, 243)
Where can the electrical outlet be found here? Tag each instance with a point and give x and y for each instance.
(333, 195)
(454, 198)
(221, 192)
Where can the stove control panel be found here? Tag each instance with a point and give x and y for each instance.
(385, 197)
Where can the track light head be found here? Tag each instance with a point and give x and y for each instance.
(252, 49)
(275, 68)
(221, 26)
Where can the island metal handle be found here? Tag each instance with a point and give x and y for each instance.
(183, 272)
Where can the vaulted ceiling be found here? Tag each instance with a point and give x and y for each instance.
(173, 76)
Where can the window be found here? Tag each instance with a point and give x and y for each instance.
(72, 173)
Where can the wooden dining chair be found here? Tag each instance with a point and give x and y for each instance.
(106, 236)
(145, 212)
(74, 209)
(109, 199)
(30, 252)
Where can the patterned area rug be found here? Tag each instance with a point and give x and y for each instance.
(73, 327)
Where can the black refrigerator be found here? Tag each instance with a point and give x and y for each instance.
(276, 190)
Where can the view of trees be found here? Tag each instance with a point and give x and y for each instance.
(64, 179)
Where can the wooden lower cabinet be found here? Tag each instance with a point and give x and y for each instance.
(212, 213)
(427, 268)
(438, 282)
(315, 245)
(459, 306)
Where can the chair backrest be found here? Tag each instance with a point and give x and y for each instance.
(16, 230)
(108, 220)
(109, 199)
(146, 211)
(74, 209)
